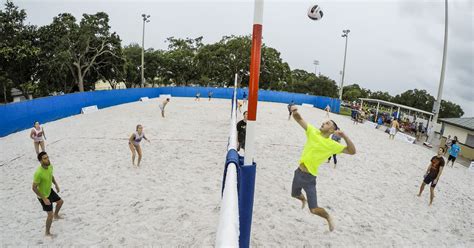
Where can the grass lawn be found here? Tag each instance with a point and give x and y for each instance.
(345, 111)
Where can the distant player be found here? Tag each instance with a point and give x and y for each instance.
(338, 140)
(244, 97)
(291, 104)
(241, 131)
(163, 105)
(134, 144)
(395, 126)
(454, 151)
(419, 131)
(447, 144)
(37, 135)
(379, 122)
(239, 106)
(327, 109)
(433, 173)
(198, 95)
(209, 94)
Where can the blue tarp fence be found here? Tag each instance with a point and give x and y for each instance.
(18, 116)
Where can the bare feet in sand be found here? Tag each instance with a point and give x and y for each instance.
(330, 223)
(58, 217)
(49, 235)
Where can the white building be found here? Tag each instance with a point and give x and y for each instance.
(463, 128)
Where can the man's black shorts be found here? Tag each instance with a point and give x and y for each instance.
(429, 179)
(451, 158)
(53, 197)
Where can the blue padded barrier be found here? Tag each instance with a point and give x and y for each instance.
(245, 189)
(18, 116)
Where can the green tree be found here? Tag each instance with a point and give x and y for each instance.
(18, 51)
(302, 82)
(155, 67)
(218, 62)
(6, 88)
(326, 87)
(274, 73)
(110, 67)
(180, 64)
(450, 110)
(353, 92)
(55, 60)
(416, 98)
(91, 42)
(381, 96)
(132, 66)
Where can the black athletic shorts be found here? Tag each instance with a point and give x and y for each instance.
(451, 158)
(429, 179)
(53, 197)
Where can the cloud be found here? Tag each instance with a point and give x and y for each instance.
(428, 23)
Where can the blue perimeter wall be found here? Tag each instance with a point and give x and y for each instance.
(18, 116)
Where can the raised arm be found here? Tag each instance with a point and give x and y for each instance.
(298, 117)
(350, 149)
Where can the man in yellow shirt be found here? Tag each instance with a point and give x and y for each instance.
(319, 146)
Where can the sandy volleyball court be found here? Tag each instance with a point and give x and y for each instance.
(173, 199)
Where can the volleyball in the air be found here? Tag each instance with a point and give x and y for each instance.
(315, 13)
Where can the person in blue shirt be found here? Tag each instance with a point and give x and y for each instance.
(379, 122)
(454, 152)
(244, 97)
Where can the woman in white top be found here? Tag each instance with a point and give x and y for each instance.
(134, 143)
(37, 134)
(327, 109)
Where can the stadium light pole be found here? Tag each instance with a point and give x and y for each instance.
(146, 18)
(344, 35)
(437, 103)
(316, 63)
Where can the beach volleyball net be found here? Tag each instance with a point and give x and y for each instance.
(237, 191)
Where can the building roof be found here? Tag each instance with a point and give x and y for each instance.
(396, 105)
(466, 123)
(16, 92)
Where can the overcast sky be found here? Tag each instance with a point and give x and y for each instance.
(393, 45)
